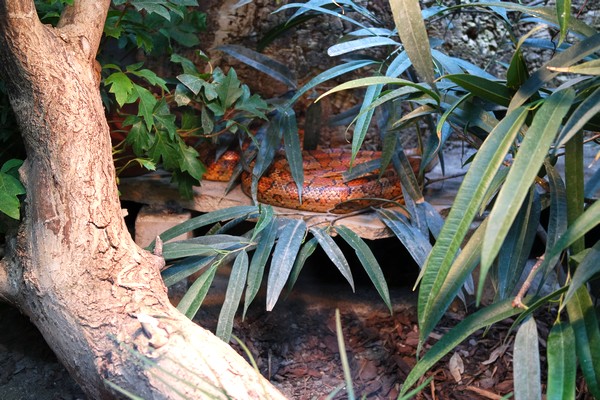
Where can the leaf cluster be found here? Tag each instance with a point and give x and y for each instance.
(521, 125)
(287, 243)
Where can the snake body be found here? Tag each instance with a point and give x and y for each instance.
(324, 189)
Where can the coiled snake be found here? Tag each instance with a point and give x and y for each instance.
(324, 189)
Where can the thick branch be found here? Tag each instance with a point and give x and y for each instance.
(84, 20)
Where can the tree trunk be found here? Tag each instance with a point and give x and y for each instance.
(72, 267)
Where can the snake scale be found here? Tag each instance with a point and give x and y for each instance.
(324, 189)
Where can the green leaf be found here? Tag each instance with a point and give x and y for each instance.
(563, 11)
(379, 80)
(151, 78)
(259, 261)
(557, 222)
(139, 138)
(228, 89)
(11, 167)
(360, 44)
(334, 253)
(364, 118)
(120, 85)
(288, 243)
(265, 218)
(194, 83)
(582, 316)
(306, 251)
(146, 105)
(304, 7)
(532, 152)
(344, 356)
(10, 189)
(188, 66)
(481, 319)
(368, 261)
(568, 57)
(189, 161)
(330, 74)
(486, 89)
(235, 287)
(585, 68)
(204, 246)
(153, 6)
(206, 219)
(412, 238)
(267, 65)
(562, 362)
(267, 149)
(252, 104)
(526, 362)
(193, 298)
(583, 224)
(293, 149)
(516, 249)
(589, 266)
(164, 150)
(467, 202)
(582, 114)
(412, 31)
(184, 268)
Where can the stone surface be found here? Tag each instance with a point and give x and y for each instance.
(151, 221)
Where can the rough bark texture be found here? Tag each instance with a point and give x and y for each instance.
(72, 267)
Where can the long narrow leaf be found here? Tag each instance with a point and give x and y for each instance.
(487, 89)
(379, 80)
(184, 248)
(288, 243)
(330, 74)
(206, 219)
(364, 118)
(589, 266)
(193, 298)
(306, 251)
(584, 112)
(481, 319)
(411, 28)
(368, 261)
(359, 44)
(267, 65)
(259, 261)
(344, 356)
(293, 149)
(543, 75)
(415, 242)
(528, 161)
(184, 268)
(334, 253)
(563, 12)
(467, 202)
(582, 225)
(526, 362)
(562, 362)
(516, 248)
(233, 295)
(582, 316)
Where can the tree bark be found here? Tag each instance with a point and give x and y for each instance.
(72, 267)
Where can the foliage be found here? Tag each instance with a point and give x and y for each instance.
(522, 124)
